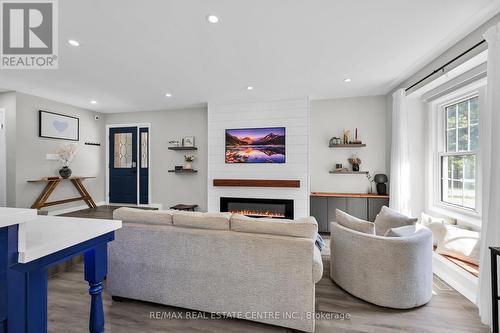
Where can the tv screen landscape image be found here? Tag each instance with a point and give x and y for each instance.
(255, 145)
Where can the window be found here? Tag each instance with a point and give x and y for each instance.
(458, 161)
(144, 150)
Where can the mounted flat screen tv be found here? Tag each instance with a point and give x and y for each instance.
(255, 145)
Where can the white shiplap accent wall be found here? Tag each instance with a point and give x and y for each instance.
(291, 114)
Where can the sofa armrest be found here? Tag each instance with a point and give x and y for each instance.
(317, 265)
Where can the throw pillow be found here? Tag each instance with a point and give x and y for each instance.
(460, 243)
(134, 215)
(305, 227)
(354, 223)
(389, 218)
(426, 219)
(405, 231)
(436, 225)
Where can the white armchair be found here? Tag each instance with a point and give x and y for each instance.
(394, 272)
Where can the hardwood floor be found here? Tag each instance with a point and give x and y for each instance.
(69, 304)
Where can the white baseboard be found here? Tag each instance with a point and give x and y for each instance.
(152, 205)
(73, 209)
(458, 278)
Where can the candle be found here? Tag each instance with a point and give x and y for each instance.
(356, 133)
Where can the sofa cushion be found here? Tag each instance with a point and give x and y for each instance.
(305, 227)
(354, 223)
(216, 221)
(145, 216)
(389, 218)
(404, 231)
(460, 243)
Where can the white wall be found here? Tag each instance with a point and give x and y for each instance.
(328, 119)
(167, 188)
(8, 102)
(292, 114)
(31, 150)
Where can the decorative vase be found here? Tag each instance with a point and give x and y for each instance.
(188, 166)
(381, 189)
(355, 167)
(65, 172)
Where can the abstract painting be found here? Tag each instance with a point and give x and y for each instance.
(58, 126)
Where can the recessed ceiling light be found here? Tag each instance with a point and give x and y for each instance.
(347, 80)
(168, 95)
(249, 88)
(73, 42)
(212, 19)
(93, 102)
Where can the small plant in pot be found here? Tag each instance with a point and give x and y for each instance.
(188, 159)
(66, 153)
(355, 161)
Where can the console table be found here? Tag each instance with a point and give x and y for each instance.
(365, 206)
(29, 245)
(51, 184)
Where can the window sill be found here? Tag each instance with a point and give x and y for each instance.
(464, 218)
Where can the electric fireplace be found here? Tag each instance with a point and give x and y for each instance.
(252, 207)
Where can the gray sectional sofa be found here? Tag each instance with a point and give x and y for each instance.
(253, 269)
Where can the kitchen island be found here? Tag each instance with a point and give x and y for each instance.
(29, 245)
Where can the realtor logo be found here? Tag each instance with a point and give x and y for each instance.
(29, 34)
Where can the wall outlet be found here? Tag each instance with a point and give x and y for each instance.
(53, 157)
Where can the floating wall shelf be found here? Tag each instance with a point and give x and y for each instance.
(349, 172)
(349, 145)
(182, 148)
(257, 182)
(184, 171)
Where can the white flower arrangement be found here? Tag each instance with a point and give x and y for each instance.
(66, 153)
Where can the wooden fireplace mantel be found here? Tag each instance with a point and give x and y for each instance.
(295, 183)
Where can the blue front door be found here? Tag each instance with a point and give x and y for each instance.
(123, 165)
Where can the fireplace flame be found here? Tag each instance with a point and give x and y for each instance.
(256, 213)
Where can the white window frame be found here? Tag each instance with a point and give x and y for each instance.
(438, 150)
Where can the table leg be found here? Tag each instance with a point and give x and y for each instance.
(3, 279)
(84, 193)
(494, 293)
(27, 301)
(44, 196)
(96, 266)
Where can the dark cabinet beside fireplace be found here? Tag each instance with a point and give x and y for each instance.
(363, 206)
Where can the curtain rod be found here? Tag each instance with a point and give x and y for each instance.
(444, 66)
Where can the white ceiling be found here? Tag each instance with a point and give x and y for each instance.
(133, 52)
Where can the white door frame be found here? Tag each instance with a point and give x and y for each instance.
(138, 125)
(3, 160)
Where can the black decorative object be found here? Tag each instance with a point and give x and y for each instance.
(65, 172)
(381, 179)
(355, 167)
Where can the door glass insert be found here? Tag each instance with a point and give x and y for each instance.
(123, 150)
(144, 149)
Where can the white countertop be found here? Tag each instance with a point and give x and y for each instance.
(45, 235)
(12, 216)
